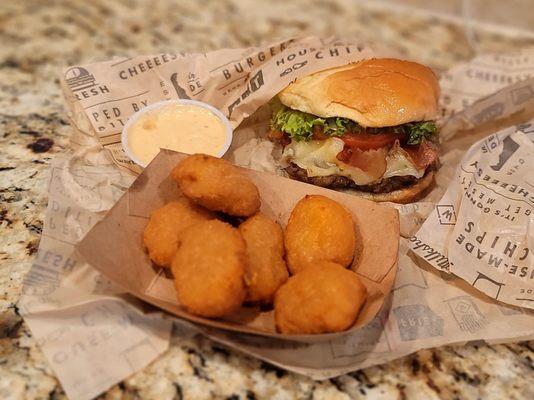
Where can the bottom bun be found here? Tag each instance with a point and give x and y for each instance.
(409, 194)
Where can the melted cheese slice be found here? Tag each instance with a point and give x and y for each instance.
(400, 164)
(318, 158)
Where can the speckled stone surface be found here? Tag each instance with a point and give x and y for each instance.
(38, 38)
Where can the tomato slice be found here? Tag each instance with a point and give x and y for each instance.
(368, 141)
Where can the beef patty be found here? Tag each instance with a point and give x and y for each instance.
(342, 182)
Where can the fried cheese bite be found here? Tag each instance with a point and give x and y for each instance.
(319, 229)
(323, 298)
(217, 184)
(266, 269)
(162, 233)
(209, 268)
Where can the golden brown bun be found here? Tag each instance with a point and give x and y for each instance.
(375, 93)
(405, 195)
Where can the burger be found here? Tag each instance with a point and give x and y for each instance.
(368, 126)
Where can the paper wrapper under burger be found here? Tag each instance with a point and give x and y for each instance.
(124, 260)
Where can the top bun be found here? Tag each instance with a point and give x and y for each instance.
(374, 93)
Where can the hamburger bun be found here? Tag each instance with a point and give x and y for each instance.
(374, 93)
(406, 195)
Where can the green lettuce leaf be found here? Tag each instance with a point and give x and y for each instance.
(417, 131)
(299, 125)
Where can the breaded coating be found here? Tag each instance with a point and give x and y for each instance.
(209, 269)
(217, 185)
(162, 233)
(266, 268)
(323, 298)
(319, 229)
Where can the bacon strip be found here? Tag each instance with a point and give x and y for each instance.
(423, 155)
(372, 162)
(279, 137)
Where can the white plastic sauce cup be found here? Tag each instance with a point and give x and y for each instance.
(154, 106)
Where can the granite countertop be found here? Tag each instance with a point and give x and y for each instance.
(38, 39)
